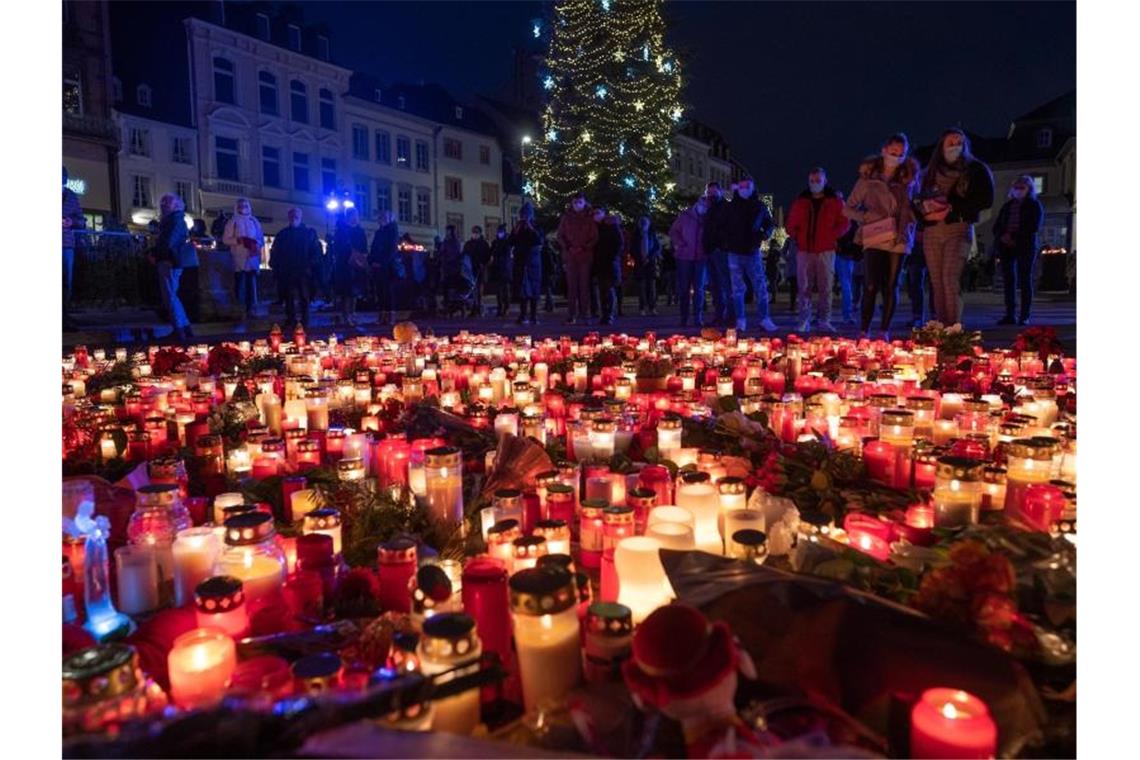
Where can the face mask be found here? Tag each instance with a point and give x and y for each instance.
(1020, 194)
(745, 191)
(815, 187)
(952, 152)
(701, 210)
(579, 205)
(889, 159)
(501, 235)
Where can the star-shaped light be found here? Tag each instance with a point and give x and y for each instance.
(586, 136)
(638, 105)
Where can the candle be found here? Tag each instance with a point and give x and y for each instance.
(443, 483)
(957, 496)
(609, 638)
(220, 603)
(201, 664)
(500, 539)
(327, 521)
(525, 551)
(396, 560)
(137, 579)
(950, 723)
(506, 424)
(642, 583)
(485, 598)
(544, 605)
(448, 649)
(557, 535)
(672, 535)
(1028, 461)
(253, 556)
(701, 499)
(223, 501)
(195, 552)
(736, 521)
(602, 438)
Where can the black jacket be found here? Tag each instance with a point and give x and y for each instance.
(172, 237)
(970, 196)
(744, 225)
(294, 250)
(1025, 239)
(499, 266)
(711, 231)
(385, 252)
(609, 250)
(479, 253)
(653, 257)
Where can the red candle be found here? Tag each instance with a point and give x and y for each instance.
(1043, 504)
(485, 599)
(220, 603)
(264, 467)
(397, 565)
(608, 592)
(870, 544)
(920, 516)
(858, 522)
(656, 478)
(334, 444)
(950, 723)
(879, 458)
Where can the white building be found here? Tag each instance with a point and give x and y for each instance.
(700, 156)
(155, 158)
(269, 121)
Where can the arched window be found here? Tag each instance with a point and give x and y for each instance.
(225, 88)
(298, 101)
(267, 92)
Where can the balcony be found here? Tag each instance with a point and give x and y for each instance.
(90, 126)
(224, 186)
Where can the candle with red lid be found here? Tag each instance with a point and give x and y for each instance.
(951, 723)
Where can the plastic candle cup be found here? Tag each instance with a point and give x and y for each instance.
(642, 584)
(547, 633)
(506, 424)
(201, 664)
(485, 598)
(950, 723)
(669, 436)
(617, 523)
(138, 579)
(751, 545)
(733, 495)
(560, 505)
(450, 645)
(350, 469)
(736, 521)
(303, 502)
(220, 603)
(896, 426)
(327, 521)
(443, 483)
(525, 551)
(957, 492)
(500, 540)
(993, 488)
(590, 533)
(253, 556)
(557, 535)
(672, 535)
(656, 478)
(700, 497)
(396, 563)
(195, 552)
(508, 505)
(1028, 461)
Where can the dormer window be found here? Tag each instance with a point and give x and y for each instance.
(1045, 138)
(459, 112)
(322, 47)
(263, 26)
(377, 94)
(294, 37)
(142, 95)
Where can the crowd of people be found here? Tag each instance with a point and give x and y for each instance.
(900, 223)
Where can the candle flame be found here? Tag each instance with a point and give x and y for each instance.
(950, 711)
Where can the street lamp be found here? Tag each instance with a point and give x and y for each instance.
(526, 140)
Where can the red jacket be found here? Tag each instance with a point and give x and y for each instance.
(816, 233)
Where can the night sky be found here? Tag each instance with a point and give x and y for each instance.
(789, 84)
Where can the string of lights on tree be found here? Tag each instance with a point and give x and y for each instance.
(613, 102)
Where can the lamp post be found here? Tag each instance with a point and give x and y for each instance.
(526, 140)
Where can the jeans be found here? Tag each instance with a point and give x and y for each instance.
(607, 294)
(578, 284)
(947, 246)
(68, 269)
(245, 288)
(189, 293)
(721, 282)
(750, 266)
(1017, 271)
(844, 270)
(168, 277)
(647, 292)
(815, 270)
(692, 275)
(882, 276)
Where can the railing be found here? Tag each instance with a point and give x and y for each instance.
(111, 270)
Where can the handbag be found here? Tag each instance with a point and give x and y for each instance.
(358, 260)
(879, 234)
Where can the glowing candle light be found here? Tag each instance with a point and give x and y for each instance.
(700, 498)
(195, 552)
(643, 585)
(950, 723)
(544, 605)
(220, 603)
(201, 664)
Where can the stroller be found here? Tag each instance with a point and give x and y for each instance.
(458, 289)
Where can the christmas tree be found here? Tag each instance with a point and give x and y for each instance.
(613, 102)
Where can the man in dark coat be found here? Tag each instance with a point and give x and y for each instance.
(746, 223)
(1015, 244)
(295, 251)
(719, 279)
(609, 253)
(478, 252)
(386, 266)
(646, 250)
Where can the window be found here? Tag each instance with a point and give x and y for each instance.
(142, 95)
(453, 149)
(383, 196)
(139, 144)
(263, 26)
(360, 141)
(270, 166)
(180, 150)
(485, 155)
(453, 188)
(298, 102)
(184, 189)
(294, 37)
(404, 203)
(226, 157)
(1045, 138)
(301, 172)
(361, 198)
(421, 156)
(403, 151)
(72, 93)
(490, 194)
(224, 87)
(267, 92)
(457, 220)
(322, 47)
(116, 89)
(401, 102)
(423, 206)
(1039, 183)
(383, 147)
(328, 175)
(140, 198)
(377, 94)
(328, 113)
(490, 224)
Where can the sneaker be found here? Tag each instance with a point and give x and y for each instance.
(805, 326)
(768, 325)
(886, 336)
(1008, 320)
(825, 327)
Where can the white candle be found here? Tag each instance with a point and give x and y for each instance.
(547, 634)
(137, 569)
(224, 500)
(702, 501)
(302, 502)
(740, 519)
(506, 424)
(643, 585)
(195, 552)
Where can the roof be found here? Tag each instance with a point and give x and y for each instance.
(428, 101)
(1061, 107)
(991, 150)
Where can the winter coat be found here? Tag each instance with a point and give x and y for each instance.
(499, 267)
(610, 249)
(385, 251)
(73, 211)
(687, 235)
(646, 251)
(453, 262)
(744, 224)
(1029, 224)
(347, 240)
(874, 198)
(241, 227)
(972, 194)
(294, 251)
(712, 229)
(172, 238)
(817, 227)
(577, 233)
(526, 251)
(478, 252)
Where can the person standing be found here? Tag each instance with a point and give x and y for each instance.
(550, 275)
(386, 266)
(687, 238)
(294, 250)
(73, 221)
(577, 235)
(350, 259)
(717, 260)
(245, 239)
(478, 252)
(608, 255)
(917, 282)
(744, 225)
(499, 271)
(816, 222)
(647, 266)
(526, 252)
(956, 188)
(1015, 245)
(848, 269)
(172, 250)
(881, 202)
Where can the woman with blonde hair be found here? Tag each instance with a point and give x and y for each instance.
(171, 252)
(245, 239)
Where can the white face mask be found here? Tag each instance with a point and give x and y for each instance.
(815, 187)
(579, 205)
(745, 191)
(890, 159)
(952, 152)
(701, 209)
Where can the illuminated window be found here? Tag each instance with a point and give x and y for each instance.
(72, 93)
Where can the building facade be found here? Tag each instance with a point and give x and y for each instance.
(156, 157)
(700, 155)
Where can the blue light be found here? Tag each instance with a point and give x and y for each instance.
(645, 51)
(332, 204)
(552, 135)
(668, 66)
(606, 5)
(629, 181)
(349, 204)
(537, 30)
(548, 82)
(621, 148)
(601, 91)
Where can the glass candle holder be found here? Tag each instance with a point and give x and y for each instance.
(617, 523)
(201, 664)
(443, 483)
(525, 551)
(733, 494)
(896, 427)
(506, 423)
(740, 520)
(957, 492)
(508, 504)
(608, 641)
(641, 500)
(253, 556)
(642, 583)
(547, 633)
(751, 545)
(220, 603)
(448, 649)
(327, 521)
(557, 535)
(534, 426)
(570, 474)
(1029, 461)
(195, 550)
(316, 674)
(350, 469)
(138, 579)
(951, 723)
(396, 564)
(602, 435)
(656, 478)
(485, 598)
(104, 687)
(158, 516)
(591, 533)
(560, 503)
(500, 539)
(542, 482)
(993, 488)
(701, 499)
(923, 409)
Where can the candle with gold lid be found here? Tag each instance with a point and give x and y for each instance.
(957, 492)
(220, 603)
(896, 426)
(448, 649)
(1028, 461)
(547, 633)
(253, 556)
(557, 535)
(500, 540)
(525, 551)
(103, 687)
